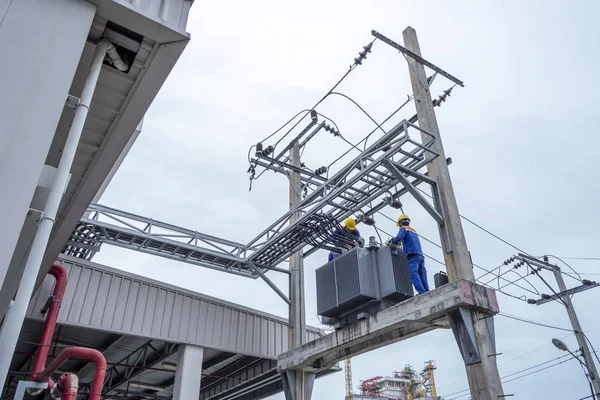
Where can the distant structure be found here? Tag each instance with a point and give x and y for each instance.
(407, 384)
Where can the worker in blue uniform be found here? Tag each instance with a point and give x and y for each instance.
(348, 228)
(412, 249)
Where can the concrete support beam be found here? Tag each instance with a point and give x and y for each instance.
(189, 372)
(418, 315)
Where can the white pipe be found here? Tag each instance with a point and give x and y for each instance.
(13, 322)
(115, 58)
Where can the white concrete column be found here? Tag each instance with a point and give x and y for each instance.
(189, 372)
(41, 43)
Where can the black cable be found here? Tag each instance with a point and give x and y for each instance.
(426, 255)
(571, 268)
(534, 322)
(361, 109)
(519, 372)
(283, 126)
(378, 235)
(480, 267)
(591, 345)
(359, 142)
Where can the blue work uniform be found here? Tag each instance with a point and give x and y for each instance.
(416, 262)
(339, 231)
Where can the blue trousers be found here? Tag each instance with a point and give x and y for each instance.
(330, 258)
(418, 273)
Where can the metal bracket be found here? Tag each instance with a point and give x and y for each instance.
(47, 305)
(289, 379)
(436, 211)
(392, 167)
(416, 57)
(23, 385)
(461, 321)
(568, 292)
(268, 281)
(72, 101)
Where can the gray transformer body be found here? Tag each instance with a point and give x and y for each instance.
(361, 283)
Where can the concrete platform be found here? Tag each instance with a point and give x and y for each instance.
(418, 315)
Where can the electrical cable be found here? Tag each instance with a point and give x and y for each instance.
(361, 109)
(509, 361)
(360, 141)
(519, 372)
(378, 235)
(350, 69)
(426, 255)
(478, 266)
(571, 268)
(534, 322)
(591, 345)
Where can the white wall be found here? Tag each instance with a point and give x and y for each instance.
(41, 43)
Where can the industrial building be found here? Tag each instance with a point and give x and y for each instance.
(83, 75)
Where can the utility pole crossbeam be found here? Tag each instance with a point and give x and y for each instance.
(564, 295)
(483, 376)
(402, 321)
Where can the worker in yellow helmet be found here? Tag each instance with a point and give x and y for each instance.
(348, 228)
(412, 249)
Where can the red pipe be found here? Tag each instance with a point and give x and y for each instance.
(67, 386)
(60, 273)
(79, 353)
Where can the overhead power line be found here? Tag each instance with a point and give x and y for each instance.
(533, 322)
(519, 372)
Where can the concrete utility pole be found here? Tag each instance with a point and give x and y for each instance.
(581, 340)
(483, 376)
(297, 317)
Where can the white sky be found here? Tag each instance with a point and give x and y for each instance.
(522, 135)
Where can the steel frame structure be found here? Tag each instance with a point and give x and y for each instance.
(370, 177)
(132, 365)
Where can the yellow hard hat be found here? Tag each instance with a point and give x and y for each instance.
(402, 217)
(350, 223)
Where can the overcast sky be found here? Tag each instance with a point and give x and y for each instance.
(522, 135)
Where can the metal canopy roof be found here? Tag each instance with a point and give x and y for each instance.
(128, 318)
(119, 103)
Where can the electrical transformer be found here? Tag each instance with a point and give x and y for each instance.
(360, 283)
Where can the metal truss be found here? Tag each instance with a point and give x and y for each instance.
(132, 365)
(369, 178)
(127, 230)
(361, 188)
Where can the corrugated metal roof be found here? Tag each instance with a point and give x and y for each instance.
(113, 301)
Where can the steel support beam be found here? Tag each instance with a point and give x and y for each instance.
(269, 282)
(414, 192)
(134, 364)
(412, 317)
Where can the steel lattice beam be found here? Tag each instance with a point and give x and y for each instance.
(364, 181)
